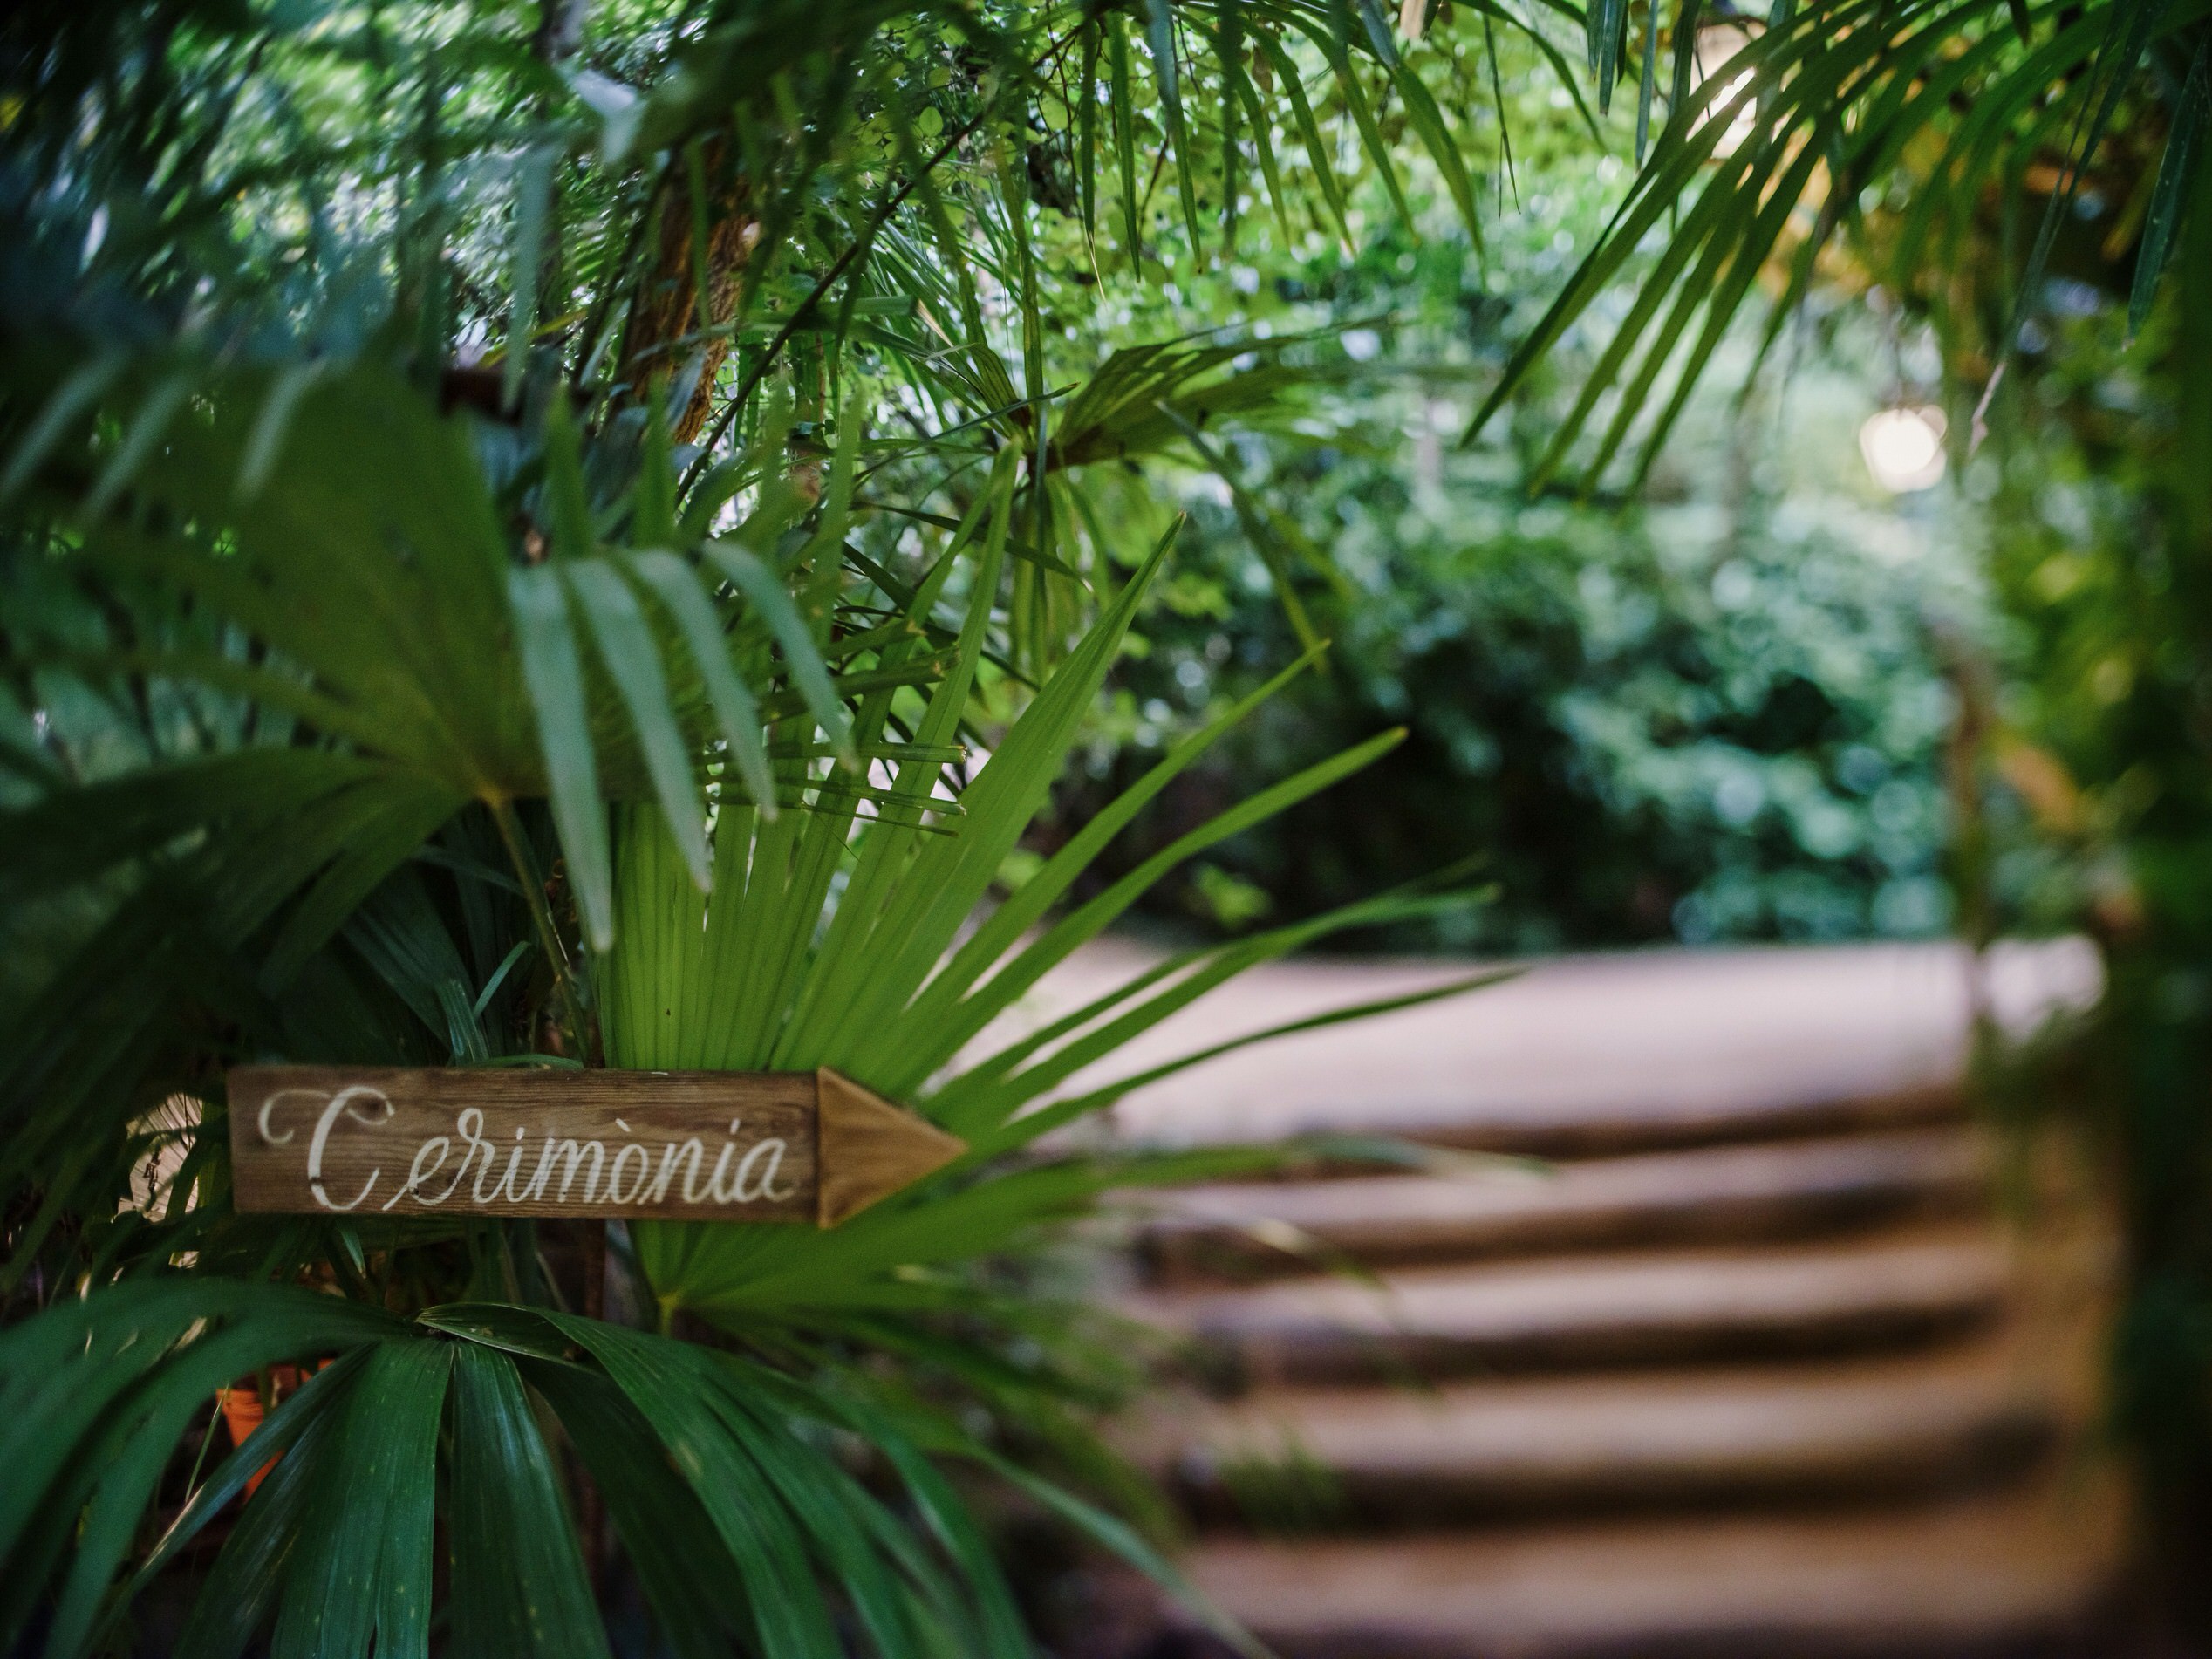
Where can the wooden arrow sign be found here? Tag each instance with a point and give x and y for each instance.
(799, 1146)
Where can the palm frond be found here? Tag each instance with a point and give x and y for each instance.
(1759, 171)
(525, 535)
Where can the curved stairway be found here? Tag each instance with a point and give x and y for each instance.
(1746, 1368)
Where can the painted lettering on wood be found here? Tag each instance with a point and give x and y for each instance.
(808, 1147)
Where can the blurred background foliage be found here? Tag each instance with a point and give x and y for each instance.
(1716, 712)
(2094, 524)
(1647, 726)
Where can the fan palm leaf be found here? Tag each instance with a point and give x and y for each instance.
(1766, 166)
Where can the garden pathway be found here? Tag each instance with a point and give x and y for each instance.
(1747, 1365)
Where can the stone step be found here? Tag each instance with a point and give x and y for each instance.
(1852, 1430)
(1792, 1190)
(2012, 1574)
(1659, 1123)
(1577, 1056)
(1625, 1124)
(1888, 1291)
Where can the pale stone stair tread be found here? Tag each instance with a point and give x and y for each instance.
(1972, 1575)
(1756, 1191)
(1653, 1120)
(1920, 1423)
(1751, 1371)
(1581, 1056)
(1891, 1288)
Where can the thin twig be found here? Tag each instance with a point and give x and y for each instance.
(601, 315)
(838, 267)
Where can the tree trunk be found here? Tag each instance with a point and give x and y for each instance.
(666, 308)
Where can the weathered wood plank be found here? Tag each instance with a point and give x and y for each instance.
(710, 1146)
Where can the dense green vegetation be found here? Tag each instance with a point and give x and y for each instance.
(1641, 737)
(1715, 713)
(518, 518)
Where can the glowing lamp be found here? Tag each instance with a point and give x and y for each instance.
(1904, 448)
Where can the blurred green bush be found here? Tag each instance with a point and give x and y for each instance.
(1689, 723)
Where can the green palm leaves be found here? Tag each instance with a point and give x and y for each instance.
(720, 1473)
(749, 727)
(361, 705)
(316, 567)
(890, 977)
(96, 1394)
(722, 1478)
(1831, 110)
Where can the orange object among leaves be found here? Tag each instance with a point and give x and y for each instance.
(244, 1408)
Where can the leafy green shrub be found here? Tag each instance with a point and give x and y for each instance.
(1648, 726)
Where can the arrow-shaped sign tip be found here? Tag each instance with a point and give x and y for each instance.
(868, 1149)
